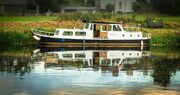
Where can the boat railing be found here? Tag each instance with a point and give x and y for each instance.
(131, 28)
(40, 32)
(134, 28)
(147, 35)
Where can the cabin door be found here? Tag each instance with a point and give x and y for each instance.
(96, 31)
(95, 58)
(104, 31)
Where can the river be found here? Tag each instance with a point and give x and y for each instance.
(62, 71)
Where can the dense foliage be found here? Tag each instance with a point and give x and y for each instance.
(167, 6)
(160, 6)
(53, 5)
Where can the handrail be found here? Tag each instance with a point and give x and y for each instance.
(131, 27)
(148, 35)
(40, 32)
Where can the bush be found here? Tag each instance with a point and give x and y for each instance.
(168, 39)
(109, 7)
(81, 16)
(15, 38)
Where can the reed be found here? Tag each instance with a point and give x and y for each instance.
(15, 30)
(15, 38)
(166, 39)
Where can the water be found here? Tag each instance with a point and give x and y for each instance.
(25, 71)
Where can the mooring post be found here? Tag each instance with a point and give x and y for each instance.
(142, 44)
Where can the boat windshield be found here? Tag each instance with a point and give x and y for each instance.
(86, 26)
(57, 32)
(116, 28)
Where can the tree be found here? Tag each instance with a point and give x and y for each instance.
(53, 5)
(167, 6)
(142, 6)
(161, 6)
(109, 7)
(90, 2)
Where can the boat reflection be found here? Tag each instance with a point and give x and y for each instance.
(119, 68)
(96, 60)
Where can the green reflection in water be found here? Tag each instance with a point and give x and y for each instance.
(164, 69)
(163, 63)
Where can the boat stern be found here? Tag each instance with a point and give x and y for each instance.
(35, 35)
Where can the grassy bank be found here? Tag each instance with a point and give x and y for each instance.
(16, 38)
(16, 29)
(26, 18)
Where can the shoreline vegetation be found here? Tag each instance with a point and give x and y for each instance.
(170, 52)
(16, 30)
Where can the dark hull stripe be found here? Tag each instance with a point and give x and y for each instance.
(54, 42)
(46, 39)
(49, 49)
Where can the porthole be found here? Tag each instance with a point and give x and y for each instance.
(123, 35)
(131, 35)
(67, 33)
(80, 33)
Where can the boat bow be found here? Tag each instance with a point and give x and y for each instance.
(38, 33)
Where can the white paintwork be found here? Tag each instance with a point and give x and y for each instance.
(122, 55)
(36, 37)
(115, 35)
(112, 34)
(124, 35)
(89, 34)
(88, 55)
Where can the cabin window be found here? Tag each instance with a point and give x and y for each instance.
(80, 33)
(109, 28)
(57, 32)
(106, 27)
(87, 26)
(67, 55)
(80, 55)
(116, 60)
(106, 61)
(67, 33)
(97, 27)
(116, 28)
(91, 28)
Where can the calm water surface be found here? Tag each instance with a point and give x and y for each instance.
(87, 72)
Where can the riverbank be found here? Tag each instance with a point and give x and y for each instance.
(16, 30)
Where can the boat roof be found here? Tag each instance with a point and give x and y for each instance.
(101, 22)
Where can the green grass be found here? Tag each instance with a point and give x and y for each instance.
(165, 18)
(16, 38)
(19, 33)
(27, 18)
(166, 39)
(96, 16)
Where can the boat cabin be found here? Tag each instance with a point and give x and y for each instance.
(98, 34)
(99, 30)
(98, 58)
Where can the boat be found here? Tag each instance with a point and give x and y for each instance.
(104, 61)
(89, 58)
(94, 34)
